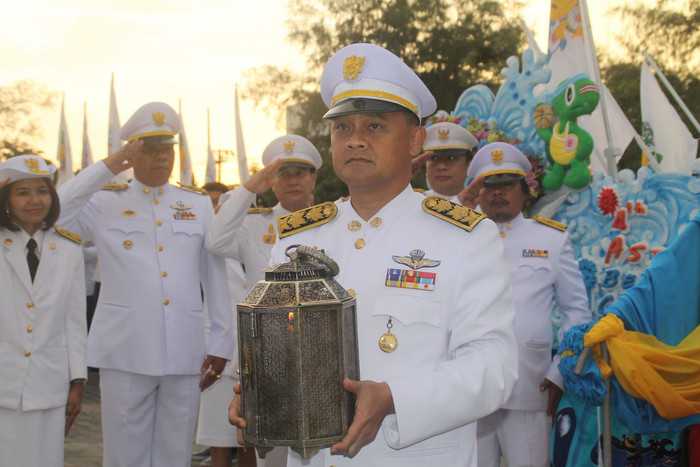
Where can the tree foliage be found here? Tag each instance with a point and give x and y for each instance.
(21, 103)
(672, 37)
(452, 44)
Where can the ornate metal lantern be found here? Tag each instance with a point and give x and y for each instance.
(297, 339)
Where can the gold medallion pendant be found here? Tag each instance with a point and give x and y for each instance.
(388, 342)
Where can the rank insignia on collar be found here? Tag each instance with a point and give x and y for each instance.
(182, 212)
(550, 223)
(270, 237)
(410, 279)
(416, 260)
(533, 253)
(306, 219)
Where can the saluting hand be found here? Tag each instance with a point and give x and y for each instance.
(373, 402)
(74, 404)
(124, 158)
(469, 197)
(262, 180)
(418, 162)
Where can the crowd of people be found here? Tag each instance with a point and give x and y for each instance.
(457, 373)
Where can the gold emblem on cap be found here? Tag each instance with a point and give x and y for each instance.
(289, 146)
(352, 67)
(444, 134)
(497, 156)
(33, 166)
(158, 118)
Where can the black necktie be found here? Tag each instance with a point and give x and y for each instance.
(32, 258)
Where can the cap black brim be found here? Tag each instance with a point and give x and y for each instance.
(502, 179)
(363, 105)
(157, 140)
(456, 152)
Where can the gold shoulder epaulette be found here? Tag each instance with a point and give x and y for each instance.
(259, 210)
(306, 219)
(456, 214)
(115, 186)
(191, 188)
(72, 236)
(550, 223)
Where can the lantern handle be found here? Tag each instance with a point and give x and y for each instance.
(315, 253)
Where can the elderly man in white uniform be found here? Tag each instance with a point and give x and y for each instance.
(448, 149)
(147, 336)
(290, 163)
(544, 273)
(42, 318)
(435, 336)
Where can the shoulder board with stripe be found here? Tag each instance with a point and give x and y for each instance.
(115, 186)
(550, 223)
(67, 234)
(306, 219)
(456, 214)
(191, 188)
(259, 210)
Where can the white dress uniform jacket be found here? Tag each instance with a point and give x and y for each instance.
(150, 242)
(250, 241)
(42, 324)
(545, 273)
(456, 359)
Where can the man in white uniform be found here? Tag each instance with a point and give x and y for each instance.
(147, 336)
(435, 335)
(448, 149)
(544, 273)
(292, 182)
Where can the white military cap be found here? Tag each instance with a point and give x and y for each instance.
(369, 78)
(155, 119)
(24, 167)
(448, 135)
(499, 159)
(293, 149)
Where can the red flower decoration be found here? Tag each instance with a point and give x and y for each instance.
(608, 201)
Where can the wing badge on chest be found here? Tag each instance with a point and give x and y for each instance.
(412, 278)
(183, 212)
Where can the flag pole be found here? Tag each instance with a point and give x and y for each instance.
(610, 151)
(672, 91)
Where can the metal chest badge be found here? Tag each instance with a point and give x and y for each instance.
(407, 279)
(183, 212)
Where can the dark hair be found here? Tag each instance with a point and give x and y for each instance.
(51, 217)
(215, 186)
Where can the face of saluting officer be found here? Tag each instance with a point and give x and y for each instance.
(294, 185)
(155, 161)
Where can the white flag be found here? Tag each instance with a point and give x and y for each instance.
(210, 175)
(243, 173)
(571, 53)
(114, 142)
(64, 154)
(663, 129)
(86, 155)
(186, 175)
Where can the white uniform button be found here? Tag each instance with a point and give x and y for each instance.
(360, 243)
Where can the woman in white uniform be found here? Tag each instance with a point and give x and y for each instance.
(42, 318)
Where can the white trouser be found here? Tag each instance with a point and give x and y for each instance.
(32, 439)
(520, 436)
(148, 421)
(213, 427)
